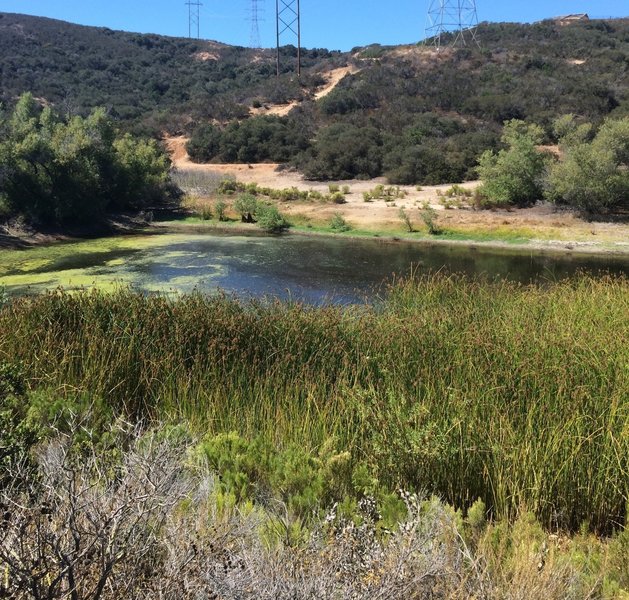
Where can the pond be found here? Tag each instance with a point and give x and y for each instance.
(310, 269)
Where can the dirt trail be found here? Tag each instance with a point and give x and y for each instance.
(333, 78)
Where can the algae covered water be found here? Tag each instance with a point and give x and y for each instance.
(310, 269)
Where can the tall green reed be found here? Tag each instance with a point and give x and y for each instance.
(515, 394)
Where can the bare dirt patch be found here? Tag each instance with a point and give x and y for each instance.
(541, 223)
(333, 78)
(205, 56)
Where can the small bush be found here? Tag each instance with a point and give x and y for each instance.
(271, 220)
(230, 187)
(339, 224)
(406, 220)
(247, 207)
(429, 217)
(219, 210)
(457, 191)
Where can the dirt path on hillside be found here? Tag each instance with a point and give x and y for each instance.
(333, 78)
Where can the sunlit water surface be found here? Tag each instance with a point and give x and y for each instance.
(310, 269)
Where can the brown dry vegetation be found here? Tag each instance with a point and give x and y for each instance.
(543, 224)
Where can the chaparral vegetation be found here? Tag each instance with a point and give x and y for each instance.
(458, 438)
(509, 404)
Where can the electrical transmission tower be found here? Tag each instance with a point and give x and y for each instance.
(254, 16)
(194, 10)
(457, 17)
(288, 24)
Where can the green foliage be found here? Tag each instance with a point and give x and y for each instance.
(18, 433)
(429, 217)
(219, 209)
(270, 219)
(514, 175)
(339, 224)
(230, 186)
(254, 470)
(206, 212)
(404, 217)
(57, 171)
(593, 176)
(142, 173)
(344, 151)
(254, 140)
(205, 143)
(247, 206)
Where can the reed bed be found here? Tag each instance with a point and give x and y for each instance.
(197, 182)
(518, 395)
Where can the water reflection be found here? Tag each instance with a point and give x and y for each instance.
(313, 270)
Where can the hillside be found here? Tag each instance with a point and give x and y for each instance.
(406, 112)
(150, 81)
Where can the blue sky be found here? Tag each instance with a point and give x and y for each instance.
(334, 24)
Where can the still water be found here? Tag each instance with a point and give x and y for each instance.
(313, 270)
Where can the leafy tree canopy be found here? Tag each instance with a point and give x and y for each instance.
(514, 175)
(593, 176)
(61, 171)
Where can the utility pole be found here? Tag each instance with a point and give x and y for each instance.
(288, 24)
(194, 9)
(458, 17)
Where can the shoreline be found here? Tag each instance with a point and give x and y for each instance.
(26, 240)
(538, 246)
(16, 238)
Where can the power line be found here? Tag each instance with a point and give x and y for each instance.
(254, 16)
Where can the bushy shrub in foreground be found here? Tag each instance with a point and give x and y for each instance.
(138, 514)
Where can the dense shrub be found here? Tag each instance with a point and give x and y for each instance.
(514, 175)
(344, 151)
(593, 176)
(205, 143)
(258, 139)
(270, 219)
(57, 171)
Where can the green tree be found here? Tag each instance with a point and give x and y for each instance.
(204, 143)
(247, 206)
(61, 171)
(594, 176)
(142, 172)
(344, 151)
(514, 175)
